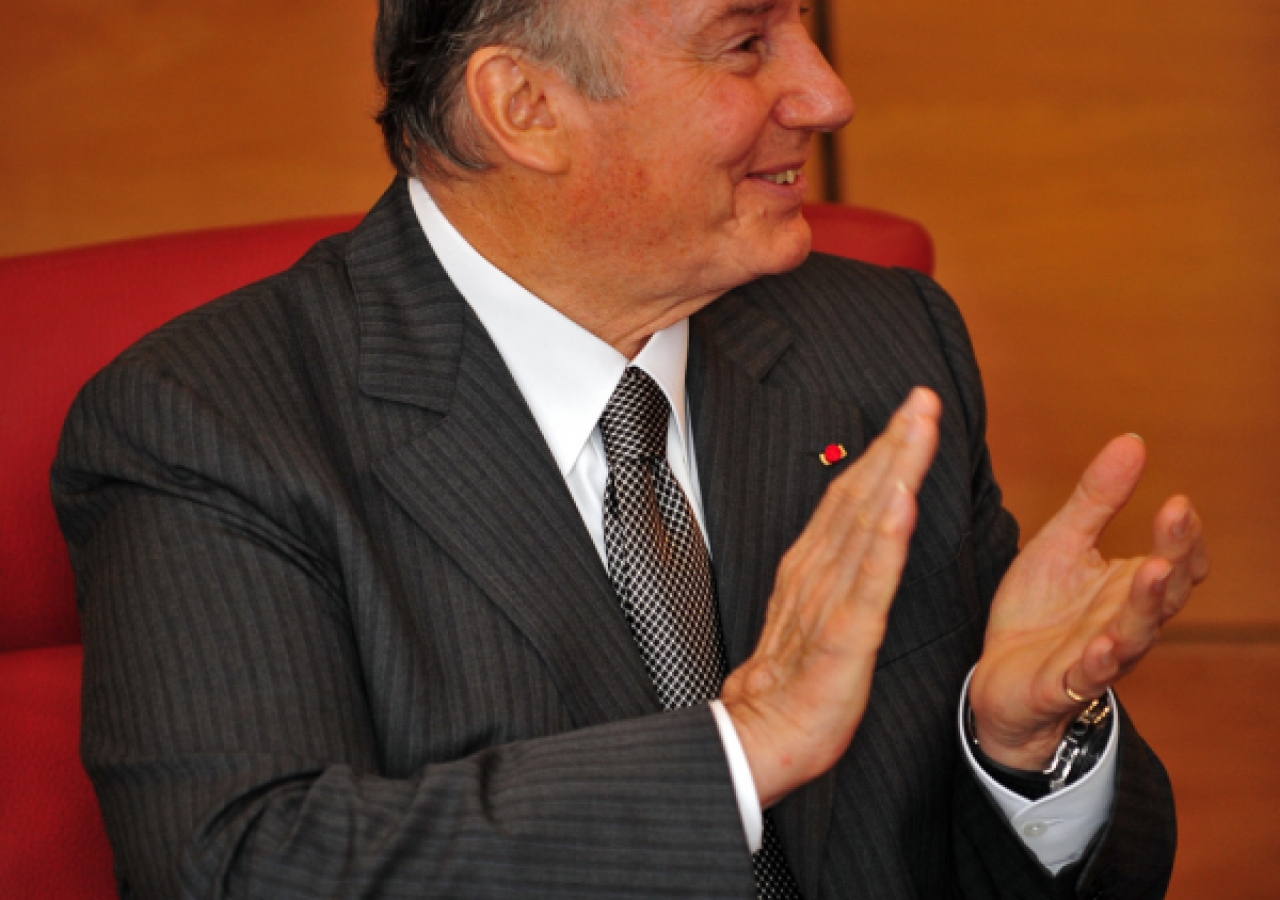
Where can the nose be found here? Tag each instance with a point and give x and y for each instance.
(814, 98)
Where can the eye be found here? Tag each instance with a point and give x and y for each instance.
(751, 44)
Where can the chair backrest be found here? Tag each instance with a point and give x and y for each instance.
(871, 235)
(64, 315)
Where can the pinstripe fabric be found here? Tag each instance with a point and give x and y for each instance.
(346, 635)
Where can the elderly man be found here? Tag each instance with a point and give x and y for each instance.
(483, 554)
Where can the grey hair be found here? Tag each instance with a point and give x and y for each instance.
(422, 47)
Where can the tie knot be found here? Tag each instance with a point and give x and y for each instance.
(634, 423)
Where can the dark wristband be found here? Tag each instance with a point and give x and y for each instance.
(1028, 783)
(1077, 754)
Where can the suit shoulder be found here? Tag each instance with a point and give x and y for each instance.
(830, 298)
(223, 401)
(895, 326)
(273, 358)
(258, 338)
(316, 283)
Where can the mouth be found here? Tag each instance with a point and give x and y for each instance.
(785, 176)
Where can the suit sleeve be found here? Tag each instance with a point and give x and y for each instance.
(229, 737)
(1132, 856)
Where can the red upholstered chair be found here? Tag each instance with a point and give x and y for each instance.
(63, 316)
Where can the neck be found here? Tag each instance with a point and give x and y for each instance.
(549, 252)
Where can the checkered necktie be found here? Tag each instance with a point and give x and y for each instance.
(661, 572)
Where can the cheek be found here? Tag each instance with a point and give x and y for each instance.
(735, 117)
(620, 201)
(655, 184)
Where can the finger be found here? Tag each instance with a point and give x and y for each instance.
(820, 568)
(1126, 637)
(921, 411)
(1096, 671)
(1136, 625)
(803, 570)
(860, 482)
(852, 507)
(1104, 488)
(1179, 538)
(854, 584)
(856, 529)
(868, 585)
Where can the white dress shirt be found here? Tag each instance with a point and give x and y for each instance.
(567, 375)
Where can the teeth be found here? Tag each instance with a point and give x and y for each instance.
(787, 177)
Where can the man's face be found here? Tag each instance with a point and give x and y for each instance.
(694, 177)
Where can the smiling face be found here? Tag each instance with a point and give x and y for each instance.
(693, 179)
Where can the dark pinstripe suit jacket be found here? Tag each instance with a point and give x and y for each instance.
(346, 635)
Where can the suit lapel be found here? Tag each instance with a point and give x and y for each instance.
(758, 452)
(481, 481)
(480, 478)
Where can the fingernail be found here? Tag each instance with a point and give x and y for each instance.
(911, 425)
(1161, 583)
(901, 501)
(1108, 658)
(1180, 527)
(1136, 436)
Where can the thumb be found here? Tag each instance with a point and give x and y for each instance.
(1104, 489)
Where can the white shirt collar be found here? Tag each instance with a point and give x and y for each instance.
(565, 372)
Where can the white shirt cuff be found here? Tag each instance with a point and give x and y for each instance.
(744, 785)
(1056, 828)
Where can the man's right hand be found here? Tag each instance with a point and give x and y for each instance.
(797, 701)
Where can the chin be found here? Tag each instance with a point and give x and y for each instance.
(785, 247)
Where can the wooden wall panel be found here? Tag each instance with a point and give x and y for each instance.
(137, 117)
(1209, 710)
(1103, 183)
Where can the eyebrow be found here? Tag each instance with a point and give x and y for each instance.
(745, 9)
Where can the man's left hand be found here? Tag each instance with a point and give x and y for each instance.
(1065, 619)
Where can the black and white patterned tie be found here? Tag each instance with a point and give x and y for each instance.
(661, 572)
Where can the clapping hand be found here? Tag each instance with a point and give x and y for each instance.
(1066, 623)
(798, 699)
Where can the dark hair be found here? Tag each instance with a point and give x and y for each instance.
(421, 49)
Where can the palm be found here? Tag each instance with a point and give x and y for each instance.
(1050, 606)
(1066, 617)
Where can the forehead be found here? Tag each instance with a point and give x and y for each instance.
(691, 18)
(710, 13)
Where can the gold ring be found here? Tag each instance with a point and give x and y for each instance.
(1072, 694)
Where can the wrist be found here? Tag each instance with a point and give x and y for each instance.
(1077, 752)
(1031, 784)
(767, 758)
(999, 720)
(779, 754)
(1028, 751)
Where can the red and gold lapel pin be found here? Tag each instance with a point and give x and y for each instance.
(832, 454)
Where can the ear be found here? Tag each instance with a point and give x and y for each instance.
(515, 102)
